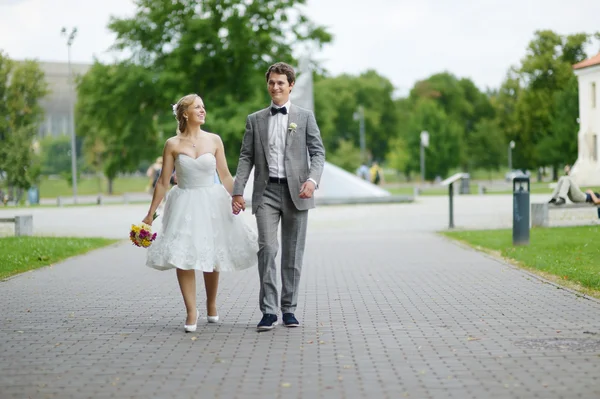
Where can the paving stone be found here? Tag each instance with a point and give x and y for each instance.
(386, 312)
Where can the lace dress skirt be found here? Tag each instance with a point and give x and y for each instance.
(200, 232)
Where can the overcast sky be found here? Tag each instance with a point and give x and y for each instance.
(404, 40)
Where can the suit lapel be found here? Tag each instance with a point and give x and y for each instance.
(289, 135)
(263, 128)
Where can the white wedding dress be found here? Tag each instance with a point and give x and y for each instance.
(199, 230)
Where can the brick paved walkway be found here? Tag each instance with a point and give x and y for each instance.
(386, 313)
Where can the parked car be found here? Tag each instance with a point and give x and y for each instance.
(516, 173)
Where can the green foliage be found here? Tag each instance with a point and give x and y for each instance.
(55, 154)
(559, 146)
(219, 50)
(346, 156)
(487, 145)
(398, 155)
(22, 85)
(462, 102)
(528, 114)
(116, 116)
(337, 99)
(445, 139)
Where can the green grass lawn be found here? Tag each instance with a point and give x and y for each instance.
(568, 255)
(19, 254)
(52, 188)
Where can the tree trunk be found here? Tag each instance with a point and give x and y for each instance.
(554, 173)
(110, 185)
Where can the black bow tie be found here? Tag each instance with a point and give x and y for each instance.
(275, 110)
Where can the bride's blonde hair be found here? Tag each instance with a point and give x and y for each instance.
(178, 109)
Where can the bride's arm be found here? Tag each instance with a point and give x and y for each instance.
(222, 168)
(164, 180)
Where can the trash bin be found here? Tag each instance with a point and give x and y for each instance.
(465, 184)
(33, 196)
(521, 209)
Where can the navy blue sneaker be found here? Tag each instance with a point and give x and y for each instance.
(289, 320)
(267, 322)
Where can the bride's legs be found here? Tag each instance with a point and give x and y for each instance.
(211, 283)
(187, 284)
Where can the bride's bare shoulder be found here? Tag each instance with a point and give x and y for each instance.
(214, 136)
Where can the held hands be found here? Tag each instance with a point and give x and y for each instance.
(307, 189)
(238, 204)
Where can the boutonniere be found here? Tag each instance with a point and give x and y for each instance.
(292, 128)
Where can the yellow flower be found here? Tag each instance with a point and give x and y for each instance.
(145, 243)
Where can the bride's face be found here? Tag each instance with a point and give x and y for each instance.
(196, 113)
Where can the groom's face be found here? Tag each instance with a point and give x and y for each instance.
(279, 88)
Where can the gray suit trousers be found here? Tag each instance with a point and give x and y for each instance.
(278, 206)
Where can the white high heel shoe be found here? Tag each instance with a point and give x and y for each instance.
(213, 319)
(192, 327)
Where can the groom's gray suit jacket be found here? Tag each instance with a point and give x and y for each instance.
(302, 143)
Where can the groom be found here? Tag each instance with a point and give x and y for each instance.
(279, 142)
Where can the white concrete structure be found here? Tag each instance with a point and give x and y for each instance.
(61, 94)
(586, 170)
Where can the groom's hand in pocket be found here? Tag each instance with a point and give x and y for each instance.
(307, 189)
(238, 204)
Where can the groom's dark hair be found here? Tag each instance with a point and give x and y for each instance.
(281, 68)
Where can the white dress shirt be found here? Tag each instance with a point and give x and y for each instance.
(278, 133)
(278, 125)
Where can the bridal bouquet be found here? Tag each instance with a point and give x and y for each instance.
(141, 235)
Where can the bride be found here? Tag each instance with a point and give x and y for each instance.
(199, 232)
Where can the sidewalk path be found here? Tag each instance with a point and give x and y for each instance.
(388, 310)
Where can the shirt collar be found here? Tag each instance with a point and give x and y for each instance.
(286, 105)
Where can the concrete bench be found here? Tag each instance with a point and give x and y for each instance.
(540, 213)
(23, 224)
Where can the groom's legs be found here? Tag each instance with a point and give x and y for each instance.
(293, 238)
(267, 222)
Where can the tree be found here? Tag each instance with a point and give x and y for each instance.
(217, 49)
(560, 145)
(488, 145)
(461, 101)
(120, 119)
(346, 156)
(337, 99)
(445, 145)
(398, 155)
(22, 85)
(545, 70)
(56, 154)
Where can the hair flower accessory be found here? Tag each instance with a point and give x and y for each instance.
(175, 109)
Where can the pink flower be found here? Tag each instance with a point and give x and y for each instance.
(153, 236)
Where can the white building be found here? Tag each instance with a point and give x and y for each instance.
(57, 104)
(586, 170)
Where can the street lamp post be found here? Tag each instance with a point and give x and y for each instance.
(70, 39)
(360, 117)
(511, 145)
(424, 143)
